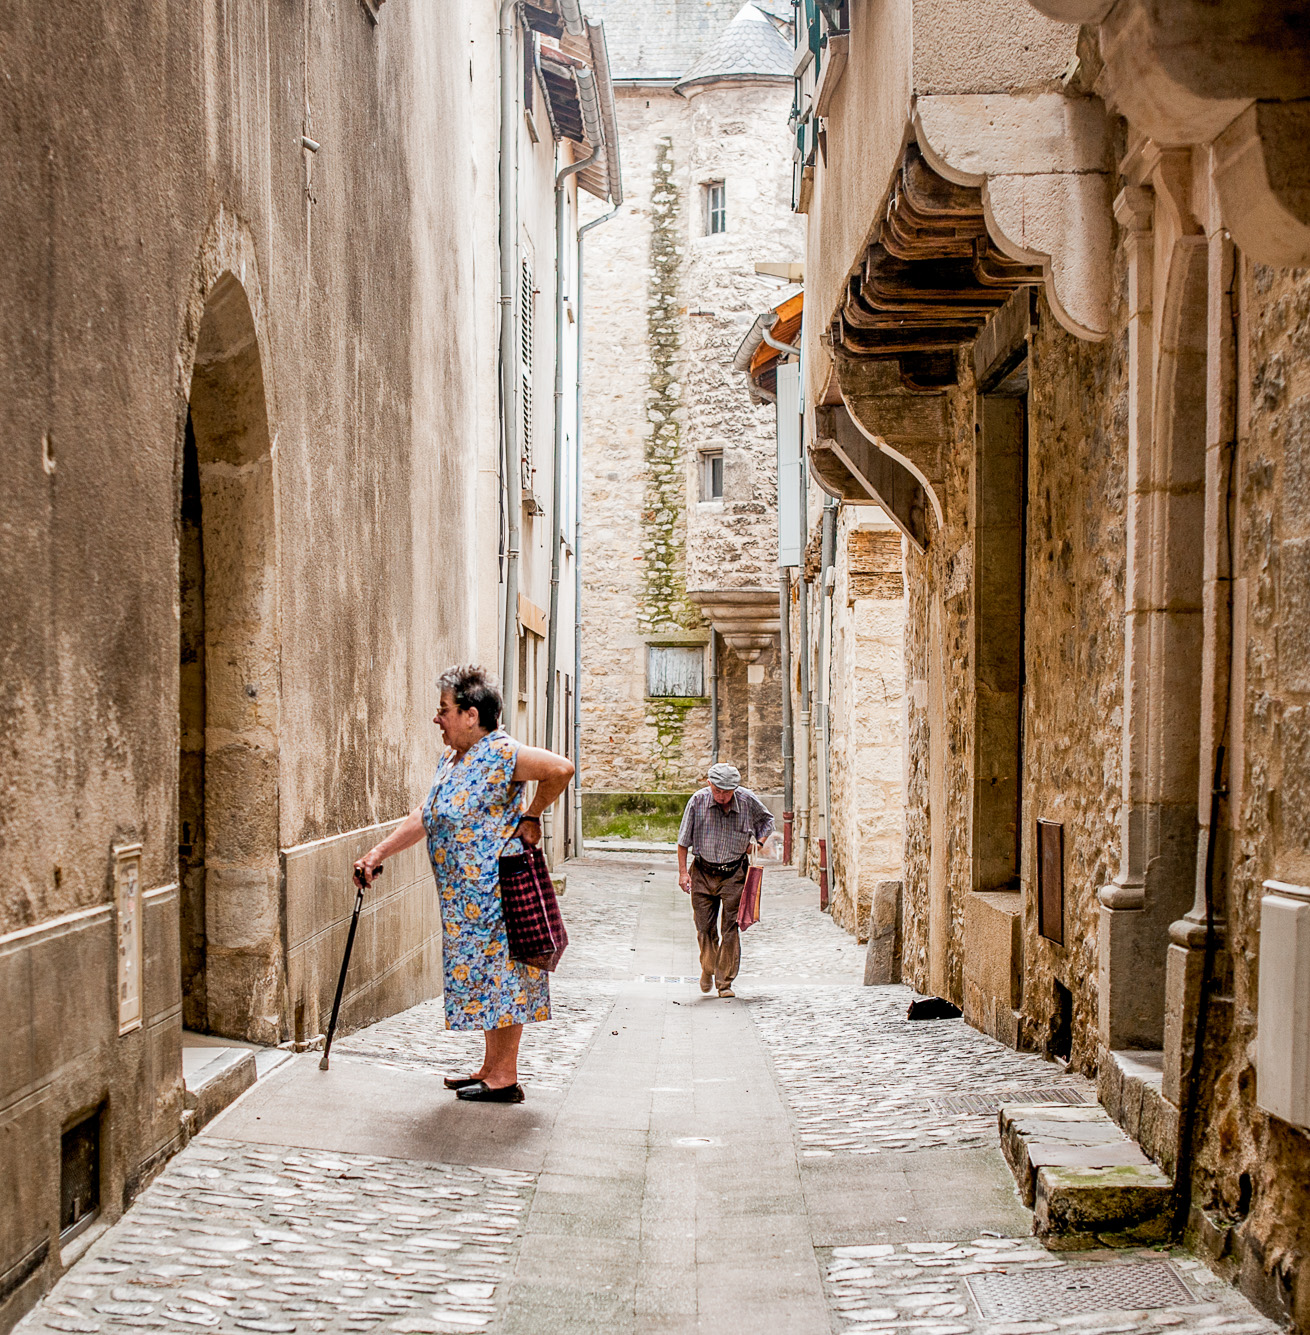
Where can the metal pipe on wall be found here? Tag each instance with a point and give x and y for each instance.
(803, 744)
(511, 419)
(828, 552)
(714, 697)
(784, 636)
(577, 547)
(591, 121)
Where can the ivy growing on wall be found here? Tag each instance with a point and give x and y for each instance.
(664, 605)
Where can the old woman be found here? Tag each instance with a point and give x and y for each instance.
(477, 811)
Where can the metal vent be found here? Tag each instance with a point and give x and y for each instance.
(1072, 1290)
(996, 1098)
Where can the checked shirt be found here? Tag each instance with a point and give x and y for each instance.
(723, 834)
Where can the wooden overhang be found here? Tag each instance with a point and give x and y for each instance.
(927, 283)
(558, 57)
(929, 280)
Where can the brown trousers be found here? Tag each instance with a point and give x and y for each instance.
(714, 901)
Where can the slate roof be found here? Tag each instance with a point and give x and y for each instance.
(663, 39)
(750, 47)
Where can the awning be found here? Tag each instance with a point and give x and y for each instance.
(756, 359)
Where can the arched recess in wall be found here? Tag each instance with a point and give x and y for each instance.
(229, 698)
(1172, 621)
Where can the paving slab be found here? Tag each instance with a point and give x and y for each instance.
(800, 1159)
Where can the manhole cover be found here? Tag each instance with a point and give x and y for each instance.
(1069, 1291)
(996, 1098)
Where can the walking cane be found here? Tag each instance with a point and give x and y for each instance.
(345, 964)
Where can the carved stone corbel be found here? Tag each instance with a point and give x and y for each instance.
(1262, 175)
(1041, 163)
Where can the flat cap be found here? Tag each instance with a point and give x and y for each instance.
(725, 777)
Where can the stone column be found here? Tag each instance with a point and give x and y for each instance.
(1123, 900)
(1187, 936)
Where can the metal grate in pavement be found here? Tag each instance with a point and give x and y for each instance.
(666, 978)
(1069, 1291)
(994, 1099)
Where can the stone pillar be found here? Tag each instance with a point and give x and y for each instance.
(1123, 900)
(1187, 936)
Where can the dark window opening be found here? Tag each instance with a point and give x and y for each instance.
(1061, 1044)
(79, 1180)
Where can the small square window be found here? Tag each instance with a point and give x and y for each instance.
(716, 208)
(675, 670)
(711, 475)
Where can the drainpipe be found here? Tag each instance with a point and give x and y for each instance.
(803, 747)
(773, 343)
(577, 548)
(714, 696)
(825, 673)
(591, 121)
(511, 419)
(784, 635)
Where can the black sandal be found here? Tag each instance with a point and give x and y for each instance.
(461, 1081)
(481, 1092)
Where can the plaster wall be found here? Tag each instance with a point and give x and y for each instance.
(149, 153)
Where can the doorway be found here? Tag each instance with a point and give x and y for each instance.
(1000, 543)
(228, 698)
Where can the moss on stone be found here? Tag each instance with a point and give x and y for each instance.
(664, 604)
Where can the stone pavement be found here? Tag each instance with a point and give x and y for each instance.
(802, 1159)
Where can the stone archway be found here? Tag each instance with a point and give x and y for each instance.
(233, 964)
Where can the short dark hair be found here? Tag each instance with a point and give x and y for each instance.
(473, 687)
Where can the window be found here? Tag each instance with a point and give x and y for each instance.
(711, 475)
(675, 670)
(716, 208)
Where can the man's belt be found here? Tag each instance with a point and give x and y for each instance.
(720, 868)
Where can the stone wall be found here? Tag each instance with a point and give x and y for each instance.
(1252, 1166)
(666, 307)
(1073, 573)
(868, 701)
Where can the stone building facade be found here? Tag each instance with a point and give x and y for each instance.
(1053, 321)
(679, 493)
(253, 464)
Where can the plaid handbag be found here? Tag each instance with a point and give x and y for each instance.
(533, 922)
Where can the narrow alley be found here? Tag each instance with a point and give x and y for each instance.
(800, 1159)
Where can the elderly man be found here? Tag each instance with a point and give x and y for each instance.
(718, 826)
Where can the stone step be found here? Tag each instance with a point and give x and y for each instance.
(213, 1082)
(1083, 1178)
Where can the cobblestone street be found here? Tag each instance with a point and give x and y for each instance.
(801, 1159)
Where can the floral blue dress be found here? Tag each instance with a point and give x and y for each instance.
(470, 817)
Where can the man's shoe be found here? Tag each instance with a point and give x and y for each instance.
(706, 978)
(461, 1081)
(483, 1093)
(727, 991)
